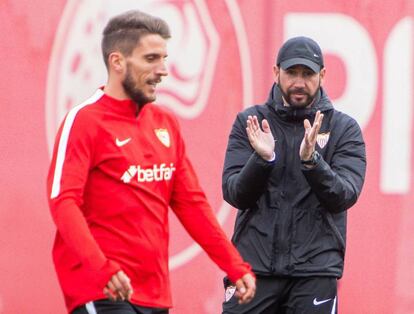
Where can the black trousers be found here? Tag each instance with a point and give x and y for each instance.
(280, 295)
(106, 306)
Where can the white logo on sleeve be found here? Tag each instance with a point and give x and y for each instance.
(316, 302)
(120, 143)
(156, 173)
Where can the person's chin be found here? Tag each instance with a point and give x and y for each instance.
(151, 97)
(299, 102)
(299, 105)
(150, 93)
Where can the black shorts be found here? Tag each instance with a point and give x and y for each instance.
(106, 306)
(279, 295)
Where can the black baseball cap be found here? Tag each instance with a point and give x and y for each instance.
(300, 50)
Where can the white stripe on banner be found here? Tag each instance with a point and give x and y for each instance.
(64, 141)
(334, 307)
(90, 308)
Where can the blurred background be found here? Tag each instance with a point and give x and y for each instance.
(220, 61)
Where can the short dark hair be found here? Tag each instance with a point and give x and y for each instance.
(123, 32)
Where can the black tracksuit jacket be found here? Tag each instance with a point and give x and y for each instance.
(291, 220)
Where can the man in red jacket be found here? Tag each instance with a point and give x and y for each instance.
(119, 163)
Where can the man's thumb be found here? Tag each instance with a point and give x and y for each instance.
(265, 126)
(241, 287)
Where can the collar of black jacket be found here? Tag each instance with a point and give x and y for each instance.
(275, 101)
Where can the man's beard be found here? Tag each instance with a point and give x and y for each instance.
(308, 100)
(134, 93)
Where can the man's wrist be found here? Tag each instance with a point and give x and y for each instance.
(271, 159)
(313, 160)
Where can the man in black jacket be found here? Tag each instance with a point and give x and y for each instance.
(293, 167)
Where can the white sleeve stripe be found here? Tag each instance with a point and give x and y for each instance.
(334, 307)
(61, 153)
(90, 308)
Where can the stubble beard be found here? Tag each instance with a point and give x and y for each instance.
(287, 95)
(137, 95)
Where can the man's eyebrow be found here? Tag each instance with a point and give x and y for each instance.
(155, 54)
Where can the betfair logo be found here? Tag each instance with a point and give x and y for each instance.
(156, 173)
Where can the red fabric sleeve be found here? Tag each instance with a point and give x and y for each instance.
(190, 205)
(71, 162)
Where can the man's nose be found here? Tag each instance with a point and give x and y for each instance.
(162, 69)
(299, 81)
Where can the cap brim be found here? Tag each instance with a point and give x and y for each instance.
(300, 61)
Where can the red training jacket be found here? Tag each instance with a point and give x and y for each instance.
(112, 179)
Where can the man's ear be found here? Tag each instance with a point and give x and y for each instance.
(322, 75)
(116, 62)
(276, 72)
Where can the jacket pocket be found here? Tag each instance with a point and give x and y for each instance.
(254, 239)
(307, 225)
(314, 240)
(243, 217)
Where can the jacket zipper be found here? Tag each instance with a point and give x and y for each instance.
(282, 245)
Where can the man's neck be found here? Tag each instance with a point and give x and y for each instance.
(115, 90)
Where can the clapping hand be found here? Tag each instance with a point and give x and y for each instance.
(307, 147)
(262, 141)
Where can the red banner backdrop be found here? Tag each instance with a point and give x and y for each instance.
(220, 60)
